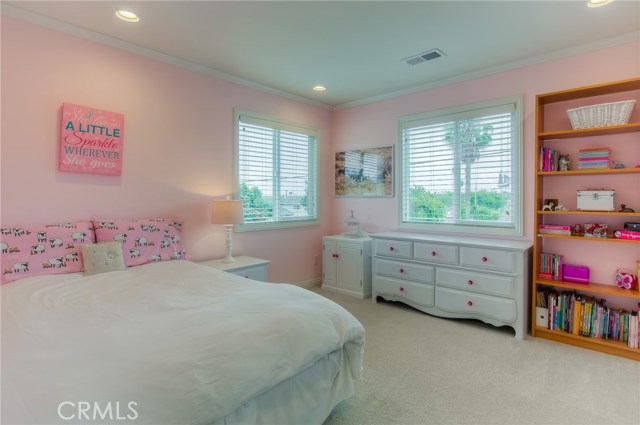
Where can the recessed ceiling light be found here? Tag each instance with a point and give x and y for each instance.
(598, 3)
(127, 16)
(319, 88)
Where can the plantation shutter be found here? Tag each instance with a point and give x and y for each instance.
(460, 168)
(276, 171)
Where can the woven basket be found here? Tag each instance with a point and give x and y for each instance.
(601, 115)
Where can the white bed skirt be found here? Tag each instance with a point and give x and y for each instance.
(294, 401)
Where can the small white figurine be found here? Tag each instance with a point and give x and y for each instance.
(564, 163)
(560, 207)
(548, 207)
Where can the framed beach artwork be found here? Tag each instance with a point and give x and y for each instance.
(365, 172)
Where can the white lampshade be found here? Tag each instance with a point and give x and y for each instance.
(227, 211)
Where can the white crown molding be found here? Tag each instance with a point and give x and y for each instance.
(83, 33)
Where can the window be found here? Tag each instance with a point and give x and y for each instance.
(461, 171)
(275, 172)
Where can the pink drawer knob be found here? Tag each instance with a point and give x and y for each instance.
(391, 248)
(433, 253)
(484, 259)
(401, 270)
(469, 303)
(401, 289)
(470, 282)
(337, 255)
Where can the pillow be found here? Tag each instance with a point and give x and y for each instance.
(143, 241)
(43, 249)
(102, 257)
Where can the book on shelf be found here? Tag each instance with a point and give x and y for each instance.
(550, 266)
(548, 159)
(573, 313)
(554, 229)
(627, 234)
(595, 158)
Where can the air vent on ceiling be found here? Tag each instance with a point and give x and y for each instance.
(424, 57)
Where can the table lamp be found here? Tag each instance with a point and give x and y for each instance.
(227, 212)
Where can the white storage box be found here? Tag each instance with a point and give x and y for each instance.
(596, 200)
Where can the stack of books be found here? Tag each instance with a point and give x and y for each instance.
(554, 229)
(548, 159)
(550, 266)
(582, 315)
(596, 158)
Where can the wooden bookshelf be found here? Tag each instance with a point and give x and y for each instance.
(552, 104)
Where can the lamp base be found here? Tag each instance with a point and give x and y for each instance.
(229, 258)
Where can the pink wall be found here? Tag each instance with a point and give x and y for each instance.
(178, 138)
(178, 144)
(377, 123)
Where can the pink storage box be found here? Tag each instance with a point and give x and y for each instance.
(577, 274)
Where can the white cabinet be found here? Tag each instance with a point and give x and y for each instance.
(471, 278)
(346, 265)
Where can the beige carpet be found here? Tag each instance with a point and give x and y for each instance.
(420, 369)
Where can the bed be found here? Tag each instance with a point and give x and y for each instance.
(173, 342)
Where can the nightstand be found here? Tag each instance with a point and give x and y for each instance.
(249, 267)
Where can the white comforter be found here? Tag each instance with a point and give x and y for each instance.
(184, 342)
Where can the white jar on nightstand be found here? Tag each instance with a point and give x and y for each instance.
(249, 267)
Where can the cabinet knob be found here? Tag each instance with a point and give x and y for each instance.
(391, 248)
(337, 255)
(401, 270)
(433, 253)
(470, 282)
(484, 259)
(401, 289)
(469, 303)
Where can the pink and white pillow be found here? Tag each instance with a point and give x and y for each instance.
(143, 241)
(43, 249)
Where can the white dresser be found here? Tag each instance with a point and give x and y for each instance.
(346, 265)
(460, 277)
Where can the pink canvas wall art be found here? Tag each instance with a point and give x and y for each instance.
(91, 140)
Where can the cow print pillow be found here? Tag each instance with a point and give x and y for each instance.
(43, 249)
(143, 241)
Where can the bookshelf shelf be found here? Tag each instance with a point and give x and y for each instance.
(583, 238)
(600, 131)
(598, 213)
(551, 111)
(593, 288)
(607, 346)
(590, 172)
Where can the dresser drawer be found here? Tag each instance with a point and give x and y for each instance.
(411, 293)
(489, 259)
(392, 248)
(436, 253)
(404, 271)
(459, 302)
(501, 286)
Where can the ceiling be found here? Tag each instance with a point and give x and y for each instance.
(354, 48)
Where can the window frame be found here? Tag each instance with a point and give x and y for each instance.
(281, 124)
(517, 171)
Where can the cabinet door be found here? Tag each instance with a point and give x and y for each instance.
(349, 266)
(329, 262)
